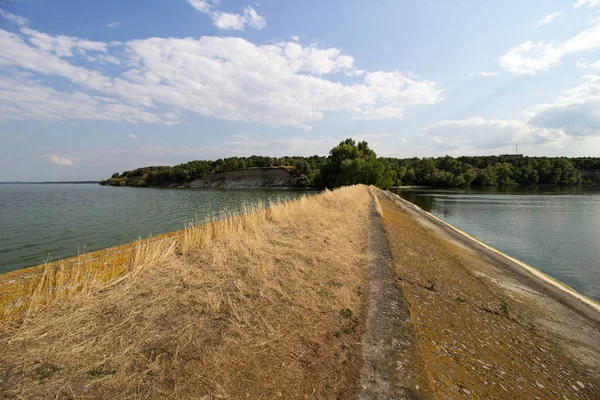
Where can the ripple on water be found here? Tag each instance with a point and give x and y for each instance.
(557, 233)
(38, 220)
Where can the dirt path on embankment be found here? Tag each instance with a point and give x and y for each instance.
(392, 365)
(487, 327)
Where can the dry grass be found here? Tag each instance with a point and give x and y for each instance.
(246, 307)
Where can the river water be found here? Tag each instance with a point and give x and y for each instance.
(554, 229)
(50, 221)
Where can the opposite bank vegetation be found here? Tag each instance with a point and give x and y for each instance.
(350, 163)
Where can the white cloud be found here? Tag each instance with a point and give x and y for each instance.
(21, 21)
(295, 38)
(529, 58)
(63, 46)
(547, 19)
(583, 63)
(23, 99)
(54, 159)
(238, 22)
(576, 112)
(201, 5)
(113, 25)
(253, 19)
(45, 56)
(132, 136)
(476, 134)
(317, 61)
(395, 92)
(222, 77)
(588, 3)
(230, 21)
(486, 74)
(575, 115)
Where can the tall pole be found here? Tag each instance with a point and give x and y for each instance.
(516, 149)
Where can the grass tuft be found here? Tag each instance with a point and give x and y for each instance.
(102, 370)
(346, 313)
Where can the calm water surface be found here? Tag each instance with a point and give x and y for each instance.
(58, 220)
(556, 230)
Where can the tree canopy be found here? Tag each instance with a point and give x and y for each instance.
(350, 163)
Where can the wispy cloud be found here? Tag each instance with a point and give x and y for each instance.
(113, 25)
(21, 21)
(228, 78)
(229, 21)
(486, 74)
(588, 3)
(530, 58)
(54, 159)
(571, 116)
(132, 136)
(238, 22)
(475, 134)
(547, 19)
(202, 5)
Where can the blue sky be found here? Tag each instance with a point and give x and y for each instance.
(92, 88)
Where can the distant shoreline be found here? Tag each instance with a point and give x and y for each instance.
(45, 183)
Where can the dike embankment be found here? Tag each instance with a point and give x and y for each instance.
(490, 326)
(350, 294)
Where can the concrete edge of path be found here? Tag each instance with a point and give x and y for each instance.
(393, 366)
(556, 289)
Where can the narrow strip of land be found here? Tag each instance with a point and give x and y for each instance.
(487, 328)
(267, 306)
(392, 366)
(350, 294)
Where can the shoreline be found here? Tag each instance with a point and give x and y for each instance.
(487, 326)
(561, 291)
(262, 305)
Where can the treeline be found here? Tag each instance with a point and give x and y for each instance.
(306, 169)
(350, 163)
(487, 171)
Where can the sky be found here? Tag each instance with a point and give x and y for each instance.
(92, 88)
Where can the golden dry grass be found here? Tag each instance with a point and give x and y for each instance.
(246, 307)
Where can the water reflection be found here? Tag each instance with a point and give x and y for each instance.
(555, 229)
